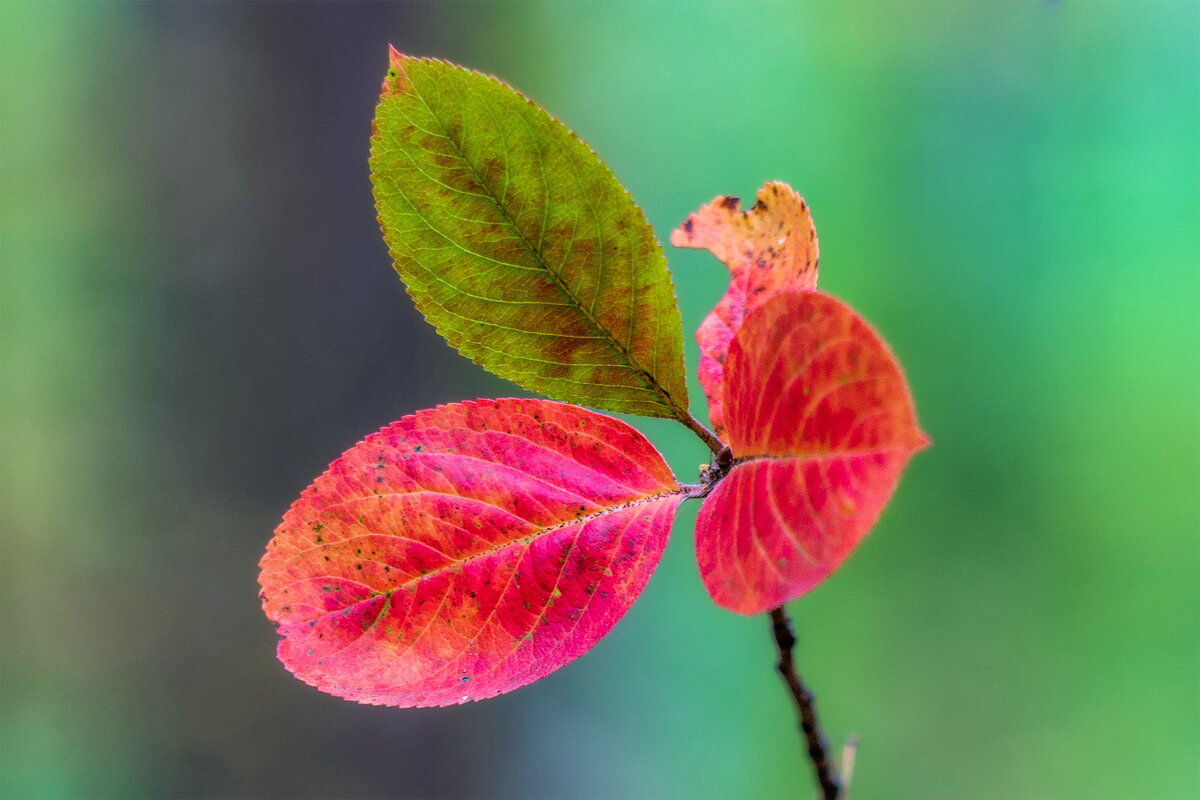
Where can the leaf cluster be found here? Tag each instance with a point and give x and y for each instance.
(467, 550)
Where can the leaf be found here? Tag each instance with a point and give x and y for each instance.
(821, 424)
(520, 246)
(465, 551)
(768, 249)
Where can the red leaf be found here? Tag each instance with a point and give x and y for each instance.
(821, 424)
(465, 551)
(768, 249)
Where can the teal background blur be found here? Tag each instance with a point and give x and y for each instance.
(199, 314)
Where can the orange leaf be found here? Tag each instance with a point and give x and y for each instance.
(768, 249)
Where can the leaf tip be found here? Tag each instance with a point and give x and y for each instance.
(397, 77)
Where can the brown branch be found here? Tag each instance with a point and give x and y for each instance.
(818, 753)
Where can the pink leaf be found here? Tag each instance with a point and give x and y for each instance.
(821, 423)
(768, 249)
(466, 551)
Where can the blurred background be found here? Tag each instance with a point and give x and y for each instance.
(199, 315)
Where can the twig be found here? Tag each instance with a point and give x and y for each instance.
(781, 626)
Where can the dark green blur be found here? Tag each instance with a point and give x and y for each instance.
(197, 314)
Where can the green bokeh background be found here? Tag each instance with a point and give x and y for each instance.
(198, 315)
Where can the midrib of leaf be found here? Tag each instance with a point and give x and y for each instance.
(523, 542)
(647, 378)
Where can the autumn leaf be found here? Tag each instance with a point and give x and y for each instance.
(768, 249)
(520, 246)
(465, 551)
(821, 423)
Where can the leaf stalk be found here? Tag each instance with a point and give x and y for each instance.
(700, 429)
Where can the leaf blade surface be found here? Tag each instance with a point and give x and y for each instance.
(519, 245)
(770, 248)
(821, 424)
(466, 551)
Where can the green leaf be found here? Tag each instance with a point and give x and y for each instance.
(520, 246)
